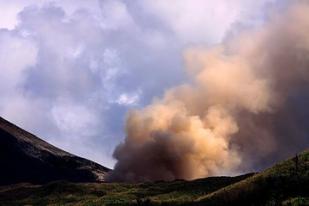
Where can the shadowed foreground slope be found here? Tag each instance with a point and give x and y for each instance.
(26, 158)
(284, 184)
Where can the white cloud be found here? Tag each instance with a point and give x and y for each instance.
(129, 99)
(16, 55)
(115, 15)
(200, 21)
(74, 120)
(9, 9)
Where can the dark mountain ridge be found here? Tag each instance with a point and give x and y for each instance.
(27, 158)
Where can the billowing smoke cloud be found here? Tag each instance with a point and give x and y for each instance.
(245, 107)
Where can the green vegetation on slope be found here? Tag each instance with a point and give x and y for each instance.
(64, 193)
(284, 184)
(277, 185)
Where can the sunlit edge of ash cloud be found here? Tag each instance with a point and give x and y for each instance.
(244, 108)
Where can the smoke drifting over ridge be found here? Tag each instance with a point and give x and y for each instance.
(245, 107)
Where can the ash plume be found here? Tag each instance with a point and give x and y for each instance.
(246, 107)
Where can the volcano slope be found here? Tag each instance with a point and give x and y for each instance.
(286, 183)
(26, 158)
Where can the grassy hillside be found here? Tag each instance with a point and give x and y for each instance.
(284, 184)
(59, 193)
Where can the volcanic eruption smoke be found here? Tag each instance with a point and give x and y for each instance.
(246, 106)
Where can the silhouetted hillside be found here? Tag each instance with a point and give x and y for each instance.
(26, 158)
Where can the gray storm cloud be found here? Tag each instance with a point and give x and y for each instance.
(245, 107)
